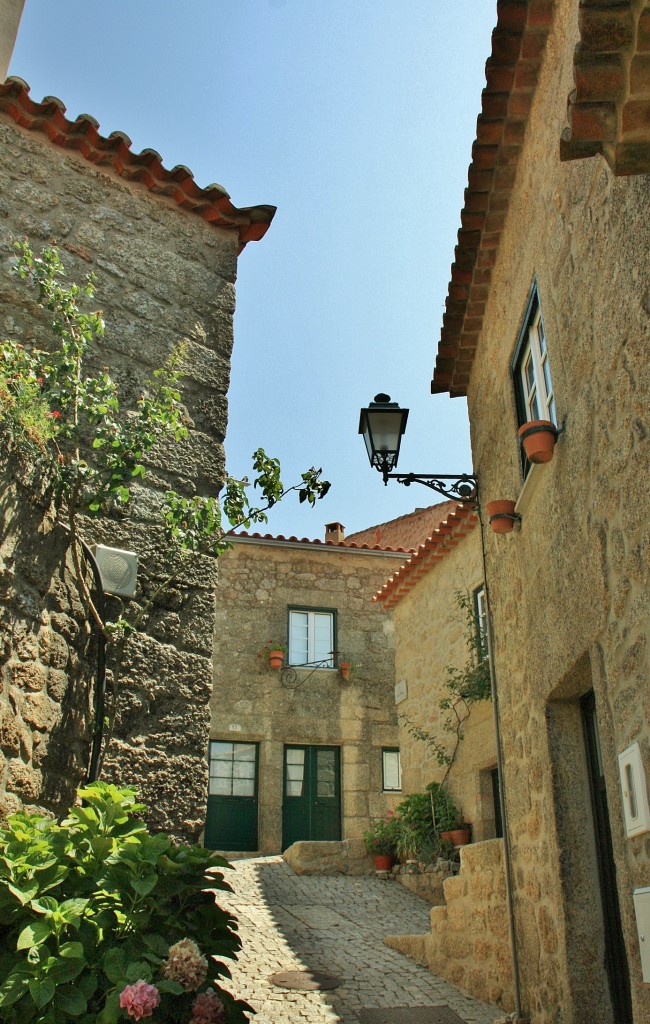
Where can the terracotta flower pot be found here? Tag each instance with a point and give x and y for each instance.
(500, 515)
(345, 668)
(538, 440)
(457, 836)
(382, 861)
(276, 659)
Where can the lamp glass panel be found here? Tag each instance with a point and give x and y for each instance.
(385, 430)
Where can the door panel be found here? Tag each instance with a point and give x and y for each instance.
(311, 807)
(231, 822)
(615, 956)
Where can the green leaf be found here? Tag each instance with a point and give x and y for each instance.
(14, 987)
(114, 965)
(71, 1000)
(167, 985)
(41, 991)
(143, 886)
(74, 950)
(138, 970)
(34, 934)
(111, 1012)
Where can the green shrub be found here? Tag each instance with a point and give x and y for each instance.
(90, 907)
(382, 837)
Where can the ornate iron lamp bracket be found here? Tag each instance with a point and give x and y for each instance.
(463, 487)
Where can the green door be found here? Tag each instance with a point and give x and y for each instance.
(311, 808)
(231, 822)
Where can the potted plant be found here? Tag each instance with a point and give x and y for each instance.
(380, 841)
(272, 653)
(449, 820)
(501, 516)
(538, 439)
(347, 669)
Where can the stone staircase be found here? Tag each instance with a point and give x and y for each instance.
(469, 942)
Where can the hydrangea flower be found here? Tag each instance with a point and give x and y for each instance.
(185, 964)
(139, 1000)
(207, 1008)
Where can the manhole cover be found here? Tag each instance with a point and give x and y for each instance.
(410, 1015)
(305, 981)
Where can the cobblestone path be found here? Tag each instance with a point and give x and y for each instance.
(335, 925)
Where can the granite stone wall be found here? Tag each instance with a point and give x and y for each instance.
(430, 630)
(163, 277)
(569, 590)
(258, 580)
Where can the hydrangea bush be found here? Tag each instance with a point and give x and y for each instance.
(102, 921)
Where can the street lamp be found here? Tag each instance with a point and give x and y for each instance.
(383, 425)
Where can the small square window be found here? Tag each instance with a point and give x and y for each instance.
(311, 637)
(391, 770)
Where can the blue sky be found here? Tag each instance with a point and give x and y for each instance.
(356, 119)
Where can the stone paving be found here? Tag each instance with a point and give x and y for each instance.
(335, 925)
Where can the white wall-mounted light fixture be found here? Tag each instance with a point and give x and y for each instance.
(118, 570)
(635, 791)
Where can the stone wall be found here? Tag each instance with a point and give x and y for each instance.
(258, 580)
(569, 591)
(163, 276)
(430, 630)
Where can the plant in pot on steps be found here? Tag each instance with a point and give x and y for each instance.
(449, 820)
(380, 841)
(272, 654)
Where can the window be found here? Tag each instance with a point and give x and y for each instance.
(391, 770)
(311, 637)
(232, 769)
(531, 369)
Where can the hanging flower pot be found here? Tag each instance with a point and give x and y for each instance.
(276, 659)
(501, 515)
(538, 440)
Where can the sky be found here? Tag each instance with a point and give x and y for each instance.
(356, 119)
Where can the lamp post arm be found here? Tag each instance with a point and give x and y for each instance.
(461, 487)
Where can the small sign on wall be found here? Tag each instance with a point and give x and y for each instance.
(401, 691)
(234, 728)
(635, 791)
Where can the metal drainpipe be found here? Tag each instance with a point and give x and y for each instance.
(520, 1019)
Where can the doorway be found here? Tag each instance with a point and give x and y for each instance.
(311, 804)
(616, 966)
(231, 820)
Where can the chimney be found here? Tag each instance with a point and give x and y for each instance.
(334, 533)
(10, 14)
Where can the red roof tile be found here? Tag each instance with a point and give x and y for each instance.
(114, 153)
(461, 519)
(609, 113)
(347, 543)
(406, 532)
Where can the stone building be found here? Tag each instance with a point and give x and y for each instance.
(164, 253)
(429, 598)
(300, 753)
(548, 318)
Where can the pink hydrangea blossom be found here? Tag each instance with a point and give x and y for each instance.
(139, 1000)
(207, 1008)
(185, 964)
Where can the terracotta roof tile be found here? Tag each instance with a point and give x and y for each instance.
(407, 532)
(347, 543)
(609, 113)
(113, 152)
(460, 520)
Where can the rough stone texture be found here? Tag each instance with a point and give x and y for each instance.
(257, 583)
(347, 857)
(569, 592)
(429, 636)
(163, 277)
(469, 942)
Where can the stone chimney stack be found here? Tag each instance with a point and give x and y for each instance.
(334, 533)
(11, 12)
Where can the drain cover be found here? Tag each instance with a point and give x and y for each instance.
(305, 981)
(409, 1015)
